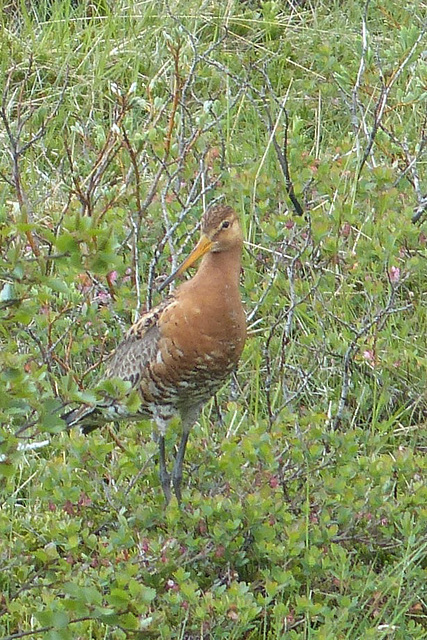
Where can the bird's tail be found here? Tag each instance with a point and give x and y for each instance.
(88, 418)
(91, 417)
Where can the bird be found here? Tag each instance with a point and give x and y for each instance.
(178, 354)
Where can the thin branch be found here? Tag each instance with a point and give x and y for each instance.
(355, 105)
(281, 152)
(382, 100)
(420, 209)
(378, 319)
(176, 97)
(25, 634)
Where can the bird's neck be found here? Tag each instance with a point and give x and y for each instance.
(221, 268)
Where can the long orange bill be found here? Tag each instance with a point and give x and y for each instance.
(203, 246)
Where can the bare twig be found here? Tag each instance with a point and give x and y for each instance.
(26, 634)
(281, 152)
(355, 104)
(14, 131)
(383, 98)
(378, 319)
(420, 209)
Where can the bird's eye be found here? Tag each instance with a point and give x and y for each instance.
(225, 224)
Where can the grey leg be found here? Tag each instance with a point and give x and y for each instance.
(177, 468)
(165, 479)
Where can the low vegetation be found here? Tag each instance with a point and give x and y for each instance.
(304, 509)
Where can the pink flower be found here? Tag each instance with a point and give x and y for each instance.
(368, 354)
(127, 276)
(394, 274)
(274, 482)
(346, 229)
(103, 297)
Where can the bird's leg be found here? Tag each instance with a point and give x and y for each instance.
(177, 468)
(165, 479)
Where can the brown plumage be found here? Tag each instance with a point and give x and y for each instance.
(178, 354)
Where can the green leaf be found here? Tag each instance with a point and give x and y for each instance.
(119, 598)
(66, 243)
(57, 285)
(7, 292)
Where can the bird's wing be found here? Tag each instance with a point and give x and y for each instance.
(137, 349)
(127, 362)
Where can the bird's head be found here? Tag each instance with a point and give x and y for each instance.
(221, 231)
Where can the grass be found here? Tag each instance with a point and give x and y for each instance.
(304, 508)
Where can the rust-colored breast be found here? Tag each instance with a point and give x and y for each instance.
(180, 353)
